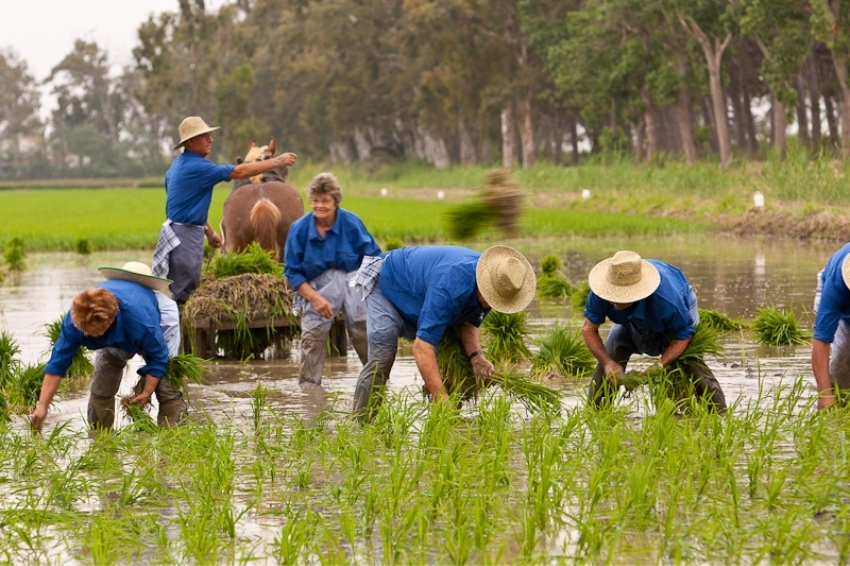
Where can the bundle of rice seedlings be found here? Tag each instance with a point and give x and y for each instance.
(82, 246)
(550, 264)
(184, 369)
(505, 336)
(720, 321)
(553, 286)
(14, 254)
(562, 353)
(23, 389)
(460, 381)
(9, 351)
(142, 421)
(579, 296)
(254, 259)
(499, 202)
(81, 365)
(775, 327)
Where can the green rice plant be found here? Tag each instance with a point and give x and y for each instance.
(14, 254)
(184, 369)
(536, 397)
(392, 244)
(505, 336)
(81, 365)
(9, 351)
(82, 246)
(578, 299)
(720, 321)
(550, 264)
(254, 259)
(23, 390)
(258, 402)
(553, 286)
(563, 353)
(142, 421)
(773, 327)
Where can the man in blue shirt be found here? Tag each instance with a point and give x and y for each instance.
(832, 305)
(654, 311)
(189, 184)
(323, 250)
(418, 292)
(126, 315)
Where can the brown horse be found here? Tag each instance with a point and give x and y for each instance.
(260, 209)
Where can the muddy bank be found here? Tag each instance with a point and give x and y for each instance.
(815, 225)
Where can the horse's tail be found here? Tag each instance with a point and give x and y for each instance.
(265, 217)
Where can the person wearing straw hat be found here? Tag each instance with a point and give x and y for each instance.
(189, 184)
(127, 314)
(832, 330)
(417, 292)
(654, 311)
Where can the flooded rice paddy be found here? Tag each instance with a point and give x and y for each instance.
(272, 472)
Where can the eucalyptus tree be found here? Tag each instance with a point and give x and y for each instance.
(19, 101)
(831, 24)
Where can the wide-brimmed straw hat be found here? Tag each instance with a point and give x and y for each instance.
(191, 127)
(845, 271)
(624, 278)
(137, 272)
(506, 279)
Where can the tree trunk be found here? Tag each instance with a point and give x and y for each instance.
(650, 122)
(467, 145)
(507, 138)
(750, 122)
(814, 96)
(526, 134)
(802, 114)
(840, 63)
(831, 120)
(574, 138)
(684, 121)
(780, 125)
(708, 118)
(640, 138)
(713, 51)
(735, 95)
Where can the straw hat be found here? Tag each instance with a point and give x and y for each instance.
(845, 271)
(137, 272)
(624, 278)
(506, 279)
(191, 127)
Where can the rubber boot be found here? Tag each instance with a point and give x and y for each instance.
(314, 351)
(101, 412)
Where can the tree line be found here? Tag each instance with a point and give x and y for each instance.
(448, 82)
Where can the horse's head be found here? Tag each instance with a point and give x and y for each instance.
(261, 153)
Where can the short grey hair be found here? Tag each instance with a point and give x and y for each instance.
(325, 184)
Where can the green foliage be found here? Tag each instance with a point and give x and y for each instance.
(14, 254)
(774, 327)
(9, 351)
(579, 297)
(184, 369)
(254, 259)
(392, 244)
(505, 336)
(719, 321)
(81, 365)
(553, 286)
(563, 353)
(82, 246)
(550, 264)
(23, 390)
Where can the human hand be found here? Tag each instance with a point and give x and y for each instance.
(214, 240)
(37, 418)
(142, 399)
(614, 372)
(322, 306)
(826, 400)
(482, 367)
(287, 159)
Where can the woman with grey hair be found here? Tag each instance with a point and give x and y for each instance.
(323, 250)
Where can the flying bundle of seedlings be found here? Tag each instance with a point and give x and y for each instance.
(720, 322)
(672, 382)
(562, 353)
(241, 299)
(505, 336)
(498, 202)
(254, 259)
(81, 366)
(460, 381)
(579, 296)
(773, 327)
(551, 283)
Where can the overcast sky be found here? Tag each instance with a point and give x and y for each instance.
(42, 32)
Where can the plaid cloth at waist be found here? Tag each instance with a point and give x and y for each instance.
(367, 275)
(166, 242)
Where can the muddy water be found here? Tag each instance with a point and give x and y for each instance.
(730, 275)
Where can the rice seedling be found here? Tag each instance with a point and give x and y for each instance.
(774, 327)
(9, 350)
(184, 369)
(553, 286)
(81, 365)
(720, 321)
(82, 246)
(23, 389)
(562, 353)
(499, 202)
(253, 259)
(15, 255)
(392, 244)
(578, 298)
(550, 264)
(505, 337)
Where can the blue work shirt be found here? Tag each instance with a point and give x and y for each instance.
(307, 255)
(667, 310)
(835, 298)
(189, 186)
(135, 329)
(433, 287)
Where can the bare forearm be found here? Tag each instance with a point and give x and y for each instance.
(470, 337)
(425, 355)
(48, 389)
(674, 351)
(820, 364)
(590, 333)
